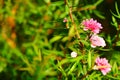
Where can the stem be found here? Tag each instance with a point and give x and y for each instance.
(84, 76)
(73, 23)
(117, 36)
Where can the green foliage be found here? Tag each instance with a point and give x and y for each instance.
(35, 43)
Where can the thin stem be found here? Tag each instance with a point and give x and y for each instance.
(84, 76)
(117, 36)
(73, 23)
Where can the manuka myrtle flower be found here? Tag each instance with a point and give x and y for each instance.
(73, 54)
(97, 41)
(92, 25)
(102, 65)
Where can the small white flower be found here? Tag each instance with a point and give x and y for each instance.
(73, 54)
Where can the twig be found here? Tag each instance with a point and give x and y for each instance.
(84, 76)
(73, 23)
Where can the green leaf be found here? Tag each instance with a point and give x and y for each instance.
(64, 39)
(116, 7)
(114, 22)
(54, 39)
(97, 13)
(115, 68)
(2, 66)
(117, 10)
(71, 31)
(84, 69)
(98, 2)
(118, 43)
(94, 75)
(57, 3)
(89, 60)
(72, 68)
(61, 69)
(47, 1)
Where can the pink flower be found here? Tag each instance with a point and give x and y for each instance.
(65, 20)
(102, 65)
(92, 25)
(97, 41)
